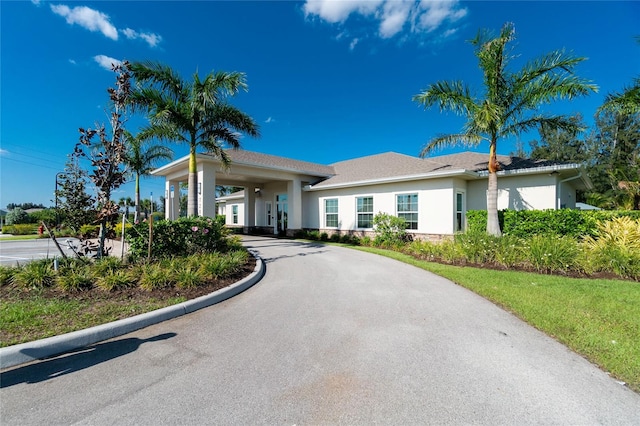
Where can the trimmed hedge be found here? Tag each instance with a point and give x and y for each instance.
(569, 222)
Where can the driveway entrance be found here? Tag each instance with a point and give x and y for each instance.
(329, 336)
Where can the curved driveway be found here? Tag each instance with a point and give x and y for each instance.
(329, 336)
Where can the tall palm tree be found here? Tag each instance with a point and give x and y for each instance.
(141, 157)
(509, 103)
(193, 112)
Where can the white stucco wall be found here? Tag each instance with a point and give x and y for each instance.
(530, 192)
(436, 204)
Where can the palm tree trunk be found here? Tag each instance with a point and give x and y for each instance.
(493, 223)
(136, 217)
(192, 199)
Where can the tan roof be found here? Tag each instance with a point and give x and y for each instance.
(240, 156)
(385, 166)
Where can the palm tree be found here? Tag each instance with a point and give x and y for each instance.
(141, 157)
(193, 112)
(508, 105)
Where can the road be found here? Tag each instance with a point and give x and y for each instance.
(22, 251)
(329, 336)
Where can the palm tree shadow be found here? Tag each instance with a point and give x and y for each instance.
(75, 360)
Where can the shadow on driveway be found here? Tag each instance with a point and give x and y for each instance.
(75, 360)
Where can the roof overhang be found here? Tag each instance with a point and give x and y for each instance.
(566, 172)
(461, 173)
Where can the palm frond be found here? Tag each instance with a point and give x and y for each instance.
(452, 96)
(442, 141)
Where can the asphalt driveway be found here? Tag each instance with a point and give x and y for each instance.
(329, 336)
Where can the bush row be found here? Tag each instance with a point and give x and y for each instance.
(613, 249)
(111, 274)
(568, 222)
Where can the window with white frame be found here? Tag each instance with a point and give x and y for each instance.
(234, 213)
(459, 212)
(364, 210)
(331, 212)
(407, 209)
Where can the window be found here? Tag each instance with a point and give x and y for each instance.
(407, 208)
(234, 212)
(364, 209)
(459, 212)
(331, 213)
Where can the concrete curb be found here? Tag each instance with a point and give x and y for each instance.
(39, 349)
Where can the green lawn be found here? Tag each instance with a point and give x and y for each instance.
(597, 318)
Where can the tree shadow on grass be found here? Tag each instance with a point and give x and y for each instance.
(73, 361)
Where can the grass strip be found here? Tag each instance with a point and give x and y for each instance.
(597, 318)
(24, 319)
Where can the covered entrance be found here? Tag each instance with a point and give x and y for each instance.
(271, 201)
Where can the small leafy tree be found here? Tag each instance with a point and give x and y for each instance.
(17, 216)
(74, 204)
(108, 154)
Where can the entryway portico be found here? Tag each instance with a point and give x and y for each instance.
(272, 186)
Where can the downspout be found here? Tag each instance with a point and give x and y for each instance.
(578, 176)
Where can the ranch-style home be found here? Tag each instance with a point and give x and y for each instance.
(282, 196)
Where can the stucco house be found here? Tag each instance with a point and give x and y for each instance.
(282, 195)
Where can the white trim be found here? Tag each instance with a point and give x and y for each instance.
(434, 175)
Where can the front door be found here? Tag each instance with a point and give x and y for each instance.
(282, 213)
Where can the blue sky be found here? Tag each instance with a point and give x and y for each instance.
(328, 80)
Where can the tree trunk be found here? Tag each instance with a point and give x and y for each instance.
(493, 223)
(192, 199)
(136, 216)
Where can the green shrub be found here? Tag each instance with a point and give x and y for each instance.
(509, 251)
(324, 236)
(89, 231)
(114, 280)
(181, 237)
(525, 223)
(47, 216)
(106, 265)
(477, 247)
(36, 274)
(187, 276)
(552, 253)
(155, 276)
(334, 238)
(615, 248)
(6, 275)
(21, 229)
(390, 230)
(75, 279)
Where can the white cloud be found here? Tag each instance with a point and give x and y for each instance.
(94, 20)
(432, 14)
(87, 18)
(151, 38)
(72, 61)
(339, 10)
(270, 120)
(106, 62)
(392, 16)
(353, 43)
(36, 2)
(3, 152)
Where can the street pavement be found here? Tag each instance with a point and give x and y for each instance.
(14, 252)
(329, 336)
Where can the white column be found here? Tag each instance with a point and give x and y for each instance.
(294, 190)
(206, 190)
(249, 206)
